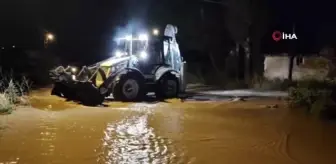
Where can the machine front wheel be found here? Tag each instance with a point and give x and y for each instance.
(167, 87)
(129, 88)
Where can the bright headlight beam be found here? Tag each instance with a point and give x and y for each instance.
(118, 54)
(143, 37)
(143, 55)
(128, 37)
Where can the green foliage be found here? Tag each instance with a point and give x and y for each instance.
(316, 96)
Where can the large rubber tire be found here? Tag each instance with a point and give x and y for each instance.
(130, 88)
(167, 87)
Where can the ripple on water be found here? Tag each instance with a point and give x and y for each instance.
(133, 141)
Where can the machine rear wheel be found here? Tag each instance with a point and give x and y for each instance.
(167, 87)
(129, 88)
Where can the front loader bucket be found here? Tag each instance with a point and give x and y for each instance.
(61, 90)
(88, 94)
(73, 90)
(85, 93)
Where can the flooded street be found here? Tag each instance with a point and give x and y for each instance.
(171, 132)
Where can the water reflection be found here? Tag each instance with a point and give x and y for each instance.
(133, 141)
(167, 133)
(47, 134)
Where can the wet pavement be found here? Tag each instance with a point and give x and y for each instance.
(165, 132)
(220, 95)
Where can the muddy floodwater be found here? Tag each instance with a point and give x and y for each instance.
(165, 132)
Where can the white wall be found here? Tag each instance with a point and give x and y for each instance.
(277, 67)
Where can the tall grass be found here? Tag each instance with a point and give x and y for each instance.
(13, 92)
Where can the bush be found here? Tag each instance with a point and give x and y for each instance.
(12, 92)
(5, 105)
(314, 95)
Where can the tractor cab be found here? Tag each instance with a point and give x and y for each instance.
(151, 51)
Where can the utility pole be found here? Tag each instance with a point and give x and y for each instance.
(291, 58)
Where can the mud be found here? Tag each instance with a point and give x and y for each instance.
(165, 132)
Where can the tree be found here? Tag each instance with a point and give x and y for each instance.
(247, 21)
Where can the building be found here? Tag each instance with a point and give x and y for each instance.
(277, 67)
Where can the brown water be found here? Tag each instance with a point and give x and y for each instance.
(175, 132)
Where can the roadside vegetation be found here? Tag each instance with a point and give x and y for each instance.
(13, 92)
(315, 91)
(316, 96)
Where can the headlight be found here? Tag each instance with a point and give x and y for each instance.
(143, 37)
(118, 54)
(156, 32)
(128, 37)
(143, 55)
(73, 69)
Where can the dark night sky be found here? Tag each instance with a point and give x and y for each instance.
(86, 26)
(314, 21)
(81, 26)
(77, 23)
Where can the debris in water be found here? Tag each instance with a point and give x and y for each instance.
(238, 99)
(272, 106)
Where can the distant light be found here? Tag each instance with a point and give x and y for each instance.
(143, 55)
(13, 46)
(50, 36)
(143, 37)
(156, 32)
(3, 48)
(118, 54)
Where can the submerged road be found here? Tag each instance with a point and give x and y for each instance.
(55, 131)
(201, 92)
